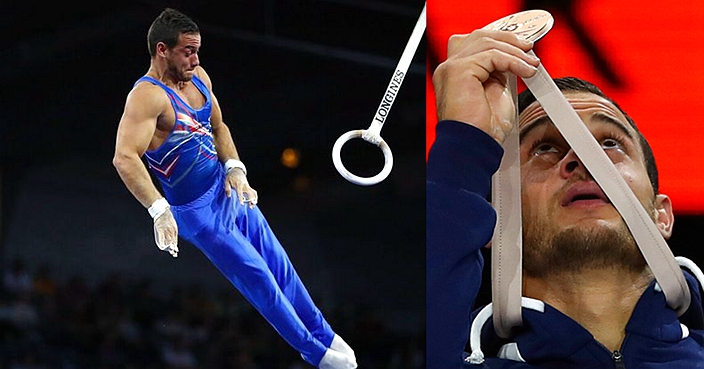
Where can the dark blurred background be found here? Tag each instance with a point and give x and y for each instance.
(84, 286)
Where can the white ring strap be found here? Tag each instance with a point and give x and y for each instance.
(507, 241)
(373, 133)
(651, 243)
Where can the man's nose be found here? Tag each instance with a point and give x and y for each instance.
(570, 164)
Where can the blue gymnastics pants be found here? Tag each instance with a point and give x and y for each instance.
(240, 243)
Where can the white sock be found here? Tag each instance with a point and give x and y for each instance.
(336, 360)
(339, 345)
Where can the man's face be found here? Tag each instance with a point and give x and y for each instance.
(182, 59)
(566, 215)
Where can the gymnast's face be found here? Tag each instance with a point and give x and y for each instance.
(560, 197)
(182, 59)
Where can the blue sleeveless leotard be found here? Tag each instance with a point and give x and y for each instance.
(186, 164)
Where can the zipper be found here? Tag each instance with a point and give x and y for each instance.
(617, 356)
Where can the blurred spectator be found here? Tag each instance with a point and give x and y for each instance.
(17, 279)
(24, 314)
(408, 354)
(177, 354)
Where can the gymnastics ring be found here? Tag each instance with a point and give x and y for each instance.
(370, 136)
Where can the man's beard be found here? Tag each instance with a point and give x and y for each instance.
(178, 73)
(577, 249)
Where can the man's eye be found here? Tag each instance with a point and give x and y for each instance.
(544, 148)
(610, 143)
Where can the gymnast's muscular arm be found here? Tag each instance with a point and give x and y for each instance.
(225, 146)
(134, 135)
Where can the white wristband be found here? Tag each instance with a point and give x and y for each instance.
(234, 163)
(158, 208)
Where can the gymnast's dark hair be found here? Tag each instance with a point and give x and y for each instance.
(573, 84)
(167, 27)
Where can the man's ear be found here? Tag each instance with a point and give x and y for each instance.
(664, 218)
(161, 49)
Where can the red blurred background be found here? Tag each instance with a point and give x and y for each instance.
(644, 55)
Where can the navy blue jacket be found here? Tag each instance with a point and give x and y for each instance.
(460, 222)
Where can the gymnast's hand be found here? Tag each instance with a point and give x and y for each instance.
(471, 86)
(236, 179)
(166, 233)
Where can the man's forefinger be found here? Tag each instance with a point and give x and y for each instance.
(241, 195)
(227, 188)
